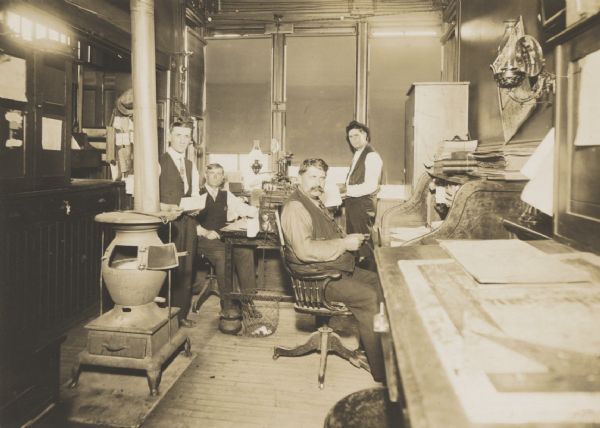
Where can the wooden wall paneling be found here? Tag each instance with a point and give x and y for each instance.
(49, 280)
(576, 189)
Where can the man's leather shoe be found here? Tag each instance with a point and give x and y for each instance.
(187, 323)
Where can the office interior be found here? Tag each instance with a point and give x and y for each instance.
(485, 239)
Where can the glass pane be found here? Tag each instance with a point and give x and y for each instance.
(52, 134)
(238, 95)
(585, 183)
(395, 63)
(12, 142)
(53, 81)
(15, 87)
(320, 97)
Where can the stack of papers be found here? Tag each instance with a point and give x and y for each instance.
(192, 203)
(503, 261)
(240, 224)
(399, 235)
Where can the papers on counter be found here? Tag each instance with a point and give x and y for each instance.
(192, 203)
(239, 224)
(399, 235)
(538, 192)
(331, 197)
(507, 261)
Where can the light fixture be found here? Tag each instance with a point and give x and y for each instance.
(404, 33)
(508, 71)
(519, 66)
(227, 36)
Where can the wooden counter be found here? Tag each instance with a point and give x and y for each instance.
(487, 355)
(50, 250)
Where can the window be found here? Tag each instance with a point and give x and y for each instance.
(320, 97)
(238, 95)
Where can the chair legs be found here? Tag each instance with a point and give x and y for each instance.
(323, 340)
(209, 287)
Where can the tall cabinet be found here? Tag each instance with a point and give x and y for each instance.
(435, 111)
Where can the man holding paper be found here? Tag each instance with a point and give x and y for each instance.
(219, 206)
(179, 178)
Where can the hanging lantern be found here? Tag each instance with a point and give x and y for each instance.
(509, 72)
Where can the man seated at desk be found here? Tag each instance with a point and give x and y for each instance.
(316, 243)
(221, 206)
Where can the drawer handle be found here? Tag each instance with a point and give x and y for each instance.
(113, 348)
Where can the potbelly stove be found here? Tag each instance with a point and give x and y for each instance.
(136, 333)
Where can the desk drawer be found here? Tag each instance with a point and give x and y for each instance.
(115, 344)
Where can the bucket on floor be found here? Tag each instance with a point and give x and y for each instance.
(260, 315)
(367, 408)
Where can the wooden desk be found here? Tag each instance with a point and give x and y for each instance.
(232, 238)
(474, 355)
(477, 211)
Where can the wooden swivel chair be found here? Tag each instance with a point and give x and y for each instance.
(208, 287)
(309, 295)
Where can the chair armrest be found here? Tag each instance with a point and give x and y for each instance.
(321, 276)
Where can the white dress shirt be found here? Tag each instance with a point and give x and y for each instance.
(373, 167)
(236, 207)
(177, 159)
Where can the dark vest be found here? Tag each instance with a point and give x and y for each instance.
(170, 183)
(358, 173)
(214, 214)
(324, 227)
(366, 202)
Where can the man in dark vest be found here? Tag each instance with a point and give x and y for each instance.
(315, 243)
(179, 178)
(221, 206)
(362, 183)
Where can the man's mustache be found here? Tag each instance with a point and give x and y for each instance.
(319, 188)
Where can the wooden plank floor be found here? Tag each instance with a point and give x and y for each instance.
(234, 382)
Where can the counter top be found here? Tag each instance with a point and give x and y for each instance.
(490, 355)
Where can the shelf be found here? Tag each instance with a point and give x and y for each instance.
(526, 232)
(456, 179)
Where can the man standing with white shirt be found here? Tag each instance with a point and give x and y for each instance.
(221, 206)
(362, 183)
(179, 178)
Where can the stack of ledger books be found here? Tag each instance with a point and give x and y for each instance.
(463, 157)
(485, 163)
(502, 164)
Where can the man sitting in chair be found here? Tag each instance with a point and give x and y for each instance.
(221, 206)
(315, 243)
